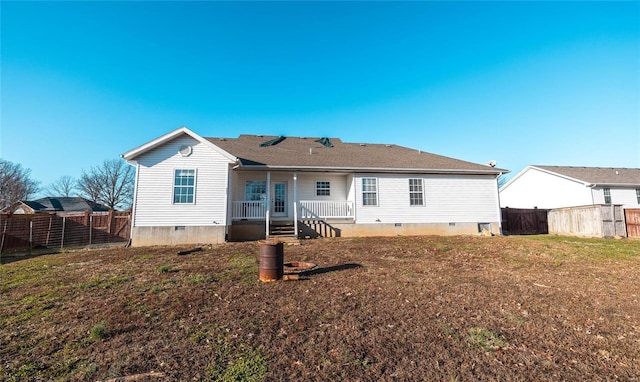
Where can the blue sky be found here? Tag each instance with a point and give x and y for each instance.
(553, 83)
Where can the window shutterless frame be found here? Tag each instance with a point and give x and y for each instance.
(369, 191)
(323, 188)
(416, 192)
(607, 195)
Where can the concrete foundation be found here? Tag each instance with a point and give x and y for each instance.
(411, 229)
(146, 236)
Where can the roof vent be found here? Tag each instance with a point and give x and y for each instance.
(223, 139)
(324, 142)
(273, 142)
(362, 144)
(387, 145)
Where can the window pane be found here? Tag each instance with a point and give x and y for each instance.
(369, 192)
(255, 190)
(607, 195)
(323, 188)
(415, 192)
(184, 186)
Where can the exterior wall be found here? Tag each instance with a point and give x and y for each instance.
(448, 199)
(154, 207)
(625, 196)
(146, 236)
(534, 188)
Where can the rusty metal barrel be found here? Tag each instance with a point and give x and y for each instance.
(271, 261)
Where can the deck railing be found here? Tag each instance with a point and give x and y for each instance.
(249, 209)
(308, 209)
(313, 209)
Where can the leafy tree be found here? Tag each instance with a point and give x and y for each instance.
(65, 186)
(110, 184)
(15, 183)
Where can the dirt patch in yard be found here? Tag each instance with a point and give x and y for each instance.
(537, 308)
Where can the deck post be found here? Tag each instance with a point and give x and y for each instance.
(295, 202)
(268, 204)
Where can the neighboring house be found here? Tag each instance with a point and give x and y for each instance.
(191, 189)
(563, 186)
(59, 205)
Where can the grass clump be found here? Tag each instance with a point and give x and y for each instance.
(485, 339)
(99, 331)
(249, 365)
(164, 268)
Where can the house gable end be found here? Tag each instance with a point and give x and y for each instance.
(131, 155)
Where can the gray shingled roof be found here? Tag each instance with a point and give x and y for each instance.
(598, 175)
(294, 152)
(66, 204)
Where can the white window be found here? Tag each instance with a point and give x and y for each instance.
(607, 195)
(255, 190)
(416, 195)
(323, 188)
(184, 186)
(638, 195)
(369, 192)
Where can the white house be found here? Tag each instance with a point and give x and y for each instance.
(191, 189)
(564, 186)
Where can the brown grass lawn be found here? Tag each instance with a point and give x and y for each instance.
(538, 308)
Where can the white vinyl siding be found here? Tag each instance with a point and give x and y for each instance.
(535, 188)
(627, 197)
(448, 198)
(155, 189)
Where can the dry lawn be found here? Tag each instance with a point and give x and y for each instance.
(538, 308)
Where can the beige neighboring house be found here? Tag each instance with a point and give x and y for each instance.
(192, 189)
(565, 186)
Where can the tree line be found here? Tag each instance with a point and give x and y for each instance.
(110, 184)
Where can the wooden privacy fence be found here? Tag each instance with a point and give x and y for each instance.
(27, 232)
(521, 221)
(600, 220)
(632, 219)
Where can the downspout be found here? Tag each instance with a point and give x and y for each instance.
(499, 209)
(591, 187)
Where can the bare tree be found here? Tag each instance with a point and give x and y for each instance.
(502, 180)
(15, 183)
(110, 184)
(65, 186)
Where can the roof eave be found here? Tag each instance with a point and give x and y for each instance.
(492, 171)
